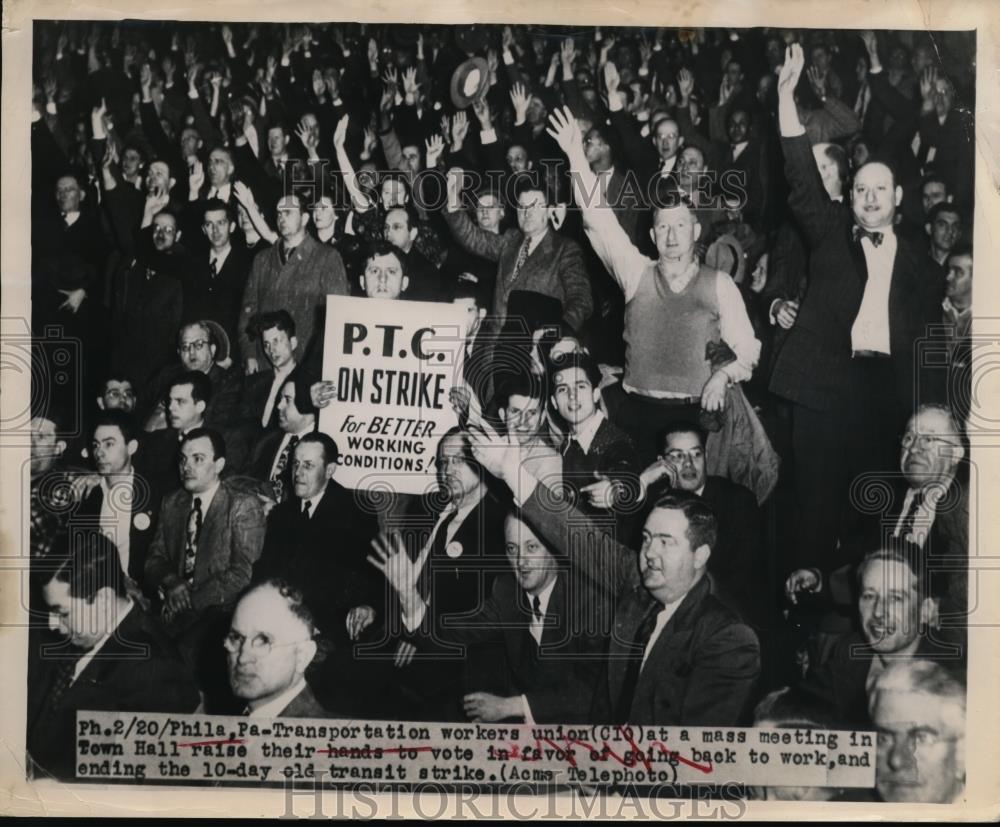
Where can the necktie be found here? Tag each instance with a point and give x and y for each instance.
(277, 481)
(536, 608)
(214, 267)
(875, 236)
(574, 458)
(193, 531)
(306, 506)
(283, 253)
(911, 514)
(642, 635)
(522, 256)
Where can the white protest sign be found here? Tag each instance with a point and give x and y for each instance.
(393, 363)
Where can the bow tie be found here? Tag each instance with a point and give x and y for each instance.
(874, 235)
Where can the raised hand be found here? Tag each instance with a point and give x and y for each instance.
(928, 81)
(500, 455)
(685, 83)
(482, 110)
(371, 141)
(435, 146)
(310, 139)
(358, 619)
(410, 86)
(390, 557)
(507, 39)
(871, 42)
(791, 70)
(243, 195)
(196, 177)
(372, 53)
(725, 92)
(817, 81)
(227, 34)
(459, 129)
(566, 132)
(146, 77)
(519, 98)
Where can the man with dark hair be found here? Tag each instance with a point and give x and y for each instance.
(521, 405)
(215, 282)
(944, 231)
(678, 655)
(297, 545)
(737, 563)
(533, 257)
(386, 273)
(871, 295)
(269, 646)
(117, 393)
(897, 612)
(552, 624)
(147, 302)
(296, 275)
(272, 455)
(207, 539)
(117, 658)
(48, 493)
(598, 458)
(259, 396)
(400, 229)
(123, 502)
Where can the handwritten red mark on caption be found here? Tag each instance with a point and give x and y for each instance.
(637, 754)
(214, 743)
(389, 751)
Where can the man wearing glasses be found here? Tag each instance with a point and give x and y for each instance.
(737, 560)
(929, 507)
(919, 711)
(269, 645)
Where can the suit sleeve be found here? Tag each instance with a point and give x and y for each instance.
(251, 300)
(576, 286)
(610, 565)
(472, 238)
(246, 530)
(726, 669)
(334, 276)
(808, 200)
(159, 564)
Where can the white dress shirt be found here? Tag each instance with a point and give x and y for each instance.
(313, 502)
(738, 149)
(871, 326)
(222, 192)
(536, 629)
(116, 523)
(587, 431)
(71, 217)
(662, 619)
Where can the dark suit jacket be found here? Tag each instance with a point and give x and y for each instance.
(137, 670)
(704, 665)
(838, 677)
(232, 536)
(814, 365)
(559, 677)
(217, 297)
(305, 705)
(554, 268)
(324, 556)
(142, 526)
(265, 452)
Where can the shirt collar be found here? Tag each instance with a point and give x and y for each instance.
(274, 707)
(220, 256)
(206, 497)
(315, 500)
(586, 433)
(123, 479)
(92, 652)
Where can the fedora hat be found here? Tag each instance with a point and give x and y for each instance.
(469, 81)
(219, 338)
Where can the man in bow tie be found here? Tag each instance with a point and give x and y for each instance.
(847, 364)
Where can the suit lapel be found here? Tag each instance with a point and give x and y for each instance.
(627, 620)
(210, 529)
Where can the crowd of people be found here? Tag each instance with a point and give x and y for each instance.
(709, 465)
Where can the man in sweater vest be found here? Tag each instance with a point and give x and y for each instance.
(675, 309)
